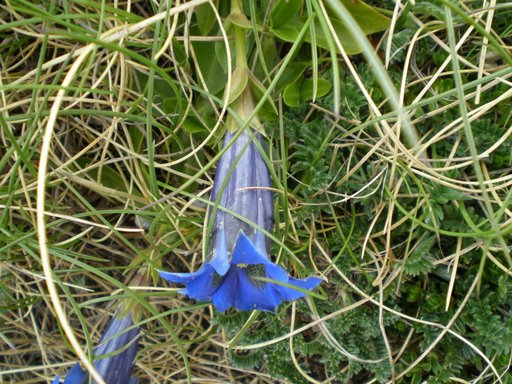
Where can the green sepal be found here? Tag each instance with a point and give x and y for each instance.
(239, 80)
(241, 21)
(269, 109)
(243, 107)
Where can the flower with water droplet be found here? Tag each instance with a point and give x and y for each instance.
(239, 270)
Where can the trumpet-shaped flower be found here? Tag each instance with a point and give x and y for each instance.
(115, 354)
(238, 271)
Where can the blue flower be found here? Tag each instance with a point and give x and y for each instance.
(121, 348)
(75, 375)
(239, 251)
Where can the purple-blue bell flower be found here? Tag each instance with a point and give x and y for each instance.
(238, 250)
(121, 348)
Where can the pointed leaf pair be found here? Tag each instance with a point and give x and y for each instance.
(299, 92)
(367, 17)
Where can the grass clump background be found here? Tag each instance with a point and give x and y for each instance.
(388, 129)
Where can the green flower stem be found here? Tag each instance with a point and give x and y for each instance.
(240, 46)
(242, 100)
(240, 49)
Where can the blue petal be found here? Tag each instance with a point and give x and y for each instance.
(224, 296)
(182, 277)
(255, 295)
(203, 285)
(57, 380)
(246, 253)
(75, 375)
(220, 259)
(275, 272)
(219, 262)
(293, 294)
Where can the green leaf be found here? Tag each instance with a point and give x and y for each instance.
(291, 95)
(292, 72)
(205, 17)
(368, 19)
(265, 5)
(415, 292)
(283, 11)
(179, 53)
(269, 54)
(290, 30)
(214, 74)
(193, 125)
(442, 194)
(300, 91)
(420, 260)
(436, 302)
(173, 105)
(161, 87)
(306, 90)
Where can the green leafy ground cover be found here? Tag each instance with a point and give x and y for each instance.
(390, 159)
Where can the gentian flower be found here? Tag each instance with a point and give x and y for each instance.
(121, 348)
(239, 251)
